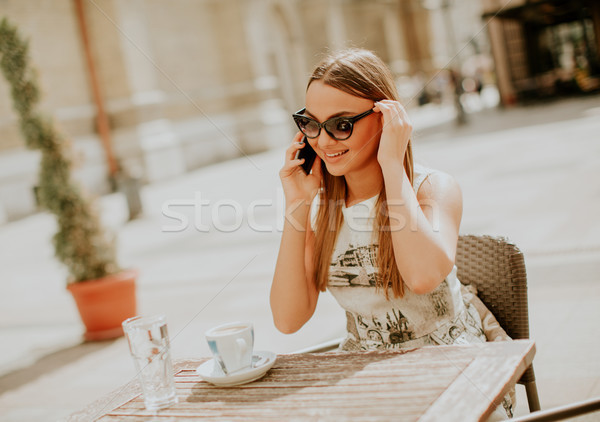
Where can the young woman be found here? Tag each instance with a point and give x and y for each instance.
(382, 232)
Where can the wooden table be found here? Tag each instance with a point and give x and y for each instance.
(450, 383)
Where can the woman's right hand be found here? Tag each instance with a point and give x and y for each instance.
(297, 185)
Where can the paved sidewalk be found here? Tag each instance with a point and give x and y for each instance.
(532, 174)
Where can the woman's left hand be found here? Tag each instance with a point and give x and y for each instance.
(396, 131)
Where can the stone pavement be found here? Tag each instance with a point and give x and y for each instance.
(530, 173)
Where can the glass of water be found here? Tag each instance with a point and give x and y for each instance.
(150, 349)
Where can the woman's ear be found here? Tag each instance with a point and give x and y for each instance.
(379, 115)
(379, 126)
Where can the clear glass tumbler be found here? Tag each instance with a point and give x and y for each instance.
(149, 345)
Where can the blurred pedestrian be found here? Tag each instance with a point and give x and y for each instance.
(456, 81)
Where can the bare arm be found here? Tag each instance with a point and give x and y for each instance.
(293, 292)
(424, 227)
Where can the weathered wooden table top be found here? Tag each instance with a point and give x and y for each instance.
(450, 383)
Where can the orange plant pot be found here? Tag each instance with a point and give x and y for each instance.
(104, 303)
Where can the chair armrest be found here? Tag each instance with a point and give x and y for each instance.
(323, 347)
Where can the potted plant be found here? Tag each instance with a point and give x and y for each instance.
(104, 294)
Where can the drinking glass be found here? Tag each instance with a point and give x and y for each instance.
(150, 349)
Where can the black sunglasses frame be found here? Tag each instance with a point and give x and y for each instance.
(350, 119)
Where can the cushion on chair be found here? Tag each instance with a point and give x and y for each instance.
(491, 327)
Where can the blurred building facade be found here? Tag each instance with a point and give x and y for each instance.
(189, 82)
(544, 48)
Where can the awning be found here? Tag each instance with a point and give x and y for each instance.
(544, 12)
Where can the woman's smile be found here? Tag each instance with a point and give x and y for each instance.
(333, 157)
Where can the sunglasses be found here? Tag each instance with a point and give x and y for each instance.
(339, 128)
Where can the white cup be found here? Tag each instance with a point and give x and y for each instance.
(232, 345)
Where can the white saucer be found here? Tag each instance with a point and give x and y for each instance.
(261, 362)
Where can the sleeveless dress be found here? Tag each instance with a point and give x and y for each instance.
(374, 322)
(442, 316)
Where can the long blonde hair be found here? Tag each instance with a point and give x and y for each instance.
(360, 73)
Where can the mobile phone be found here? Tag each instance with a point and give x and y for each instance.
(309, 155)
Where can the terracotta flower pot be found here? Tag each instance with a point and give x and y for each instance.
(104, 303)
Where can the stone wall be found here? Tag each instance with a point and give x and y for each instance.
(187, 83)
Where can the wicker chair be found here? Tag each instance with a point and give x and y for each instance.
(496, 267)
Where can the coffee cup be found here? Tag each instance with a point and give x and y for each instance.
(232, 345)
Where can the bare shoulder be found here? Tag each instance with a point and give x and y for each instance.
(442, 188)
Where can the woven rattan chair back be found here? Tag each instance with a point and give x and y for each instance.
(496, 267)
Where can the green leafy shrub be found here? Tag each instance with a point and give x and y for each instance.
(80, 242)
